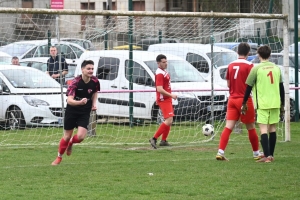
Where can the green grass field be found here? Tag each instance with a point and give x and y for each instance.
(179, 172)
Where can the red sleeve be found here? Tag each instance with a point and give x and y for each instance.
(159, 80)
(72, 88)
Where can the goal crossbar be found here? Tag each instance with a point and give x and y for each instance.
(141, 13)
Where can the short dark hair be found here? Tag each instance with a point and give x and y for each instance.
(159, 57)
(15, 58)
(264, 51)
(243, 49)
(87, 62)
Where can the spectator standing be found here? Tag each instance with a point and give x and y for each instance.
(53, 65)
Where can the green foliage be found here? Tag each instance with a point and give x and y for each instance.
(179, 172)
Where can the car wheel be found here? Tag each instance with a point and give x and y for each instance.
(157, 115)
(14, 118)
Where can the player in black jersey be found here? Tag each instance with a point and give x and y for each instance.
(82, 99)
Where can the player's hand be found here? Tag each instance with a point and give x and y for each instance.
(282, 111)
(244, 109)
(174, 96)
(83, 101)
(94, 107)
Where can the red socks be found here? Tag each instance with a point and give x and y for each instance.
(62, 146)
(75, 139)
(253, 139)
(162, 130)
(166, 133)
(224, 138)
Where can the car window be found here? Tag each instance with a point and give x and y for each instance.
(139, 76)
(16, 49)
(108, 68)
(77, 51)
(198, 62)
(30, 54)
(41, 51)
(38, 65)
(24, 78)
(5, 89)
(5, 59)
(222, 58)
(71, 70)
(179, 70)
(66, 51)
(25, 64)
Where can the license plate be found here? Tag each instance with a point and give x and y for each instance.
(216, 108)
(60, 120)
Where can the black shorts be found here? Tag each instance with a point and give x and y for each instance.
(73, 120)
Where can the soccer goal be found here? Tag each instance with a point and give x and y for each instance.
(123, 46)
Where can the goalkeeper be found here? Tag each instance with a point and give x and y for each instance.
(237, 74)
(82, 98)
(266, 81)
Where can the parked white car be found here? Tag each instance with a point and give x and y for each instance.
(199, 55)
(112, 69)
(39, 48)
(29, 97)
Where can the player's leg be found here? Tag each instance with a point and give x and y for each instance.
(163, 128)
(274, 119)
(69, 125)
(169, 113)
(249, 120)
(82, 122)
(232, 116)
(263, 116)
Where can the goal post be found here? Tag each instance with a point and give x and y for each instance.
(201, 100)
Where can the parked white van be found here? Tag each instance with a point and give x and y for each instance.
(199, 55)
(112, 70)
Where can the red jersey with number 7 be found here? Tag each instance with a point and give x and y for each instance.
(162, 78)
(237, 74)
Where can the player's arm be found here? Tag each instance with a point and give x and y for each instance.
(72, 102)
(228, 83)
(94, 101)
(47, 71)
(161, 90)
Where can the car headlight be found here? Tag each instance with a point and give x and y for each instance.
(35, 102)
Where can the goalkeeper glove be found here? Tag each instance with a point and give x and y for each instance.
(244, 108)
(282, 111)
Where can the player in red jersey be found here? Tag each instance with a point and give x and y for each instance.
(163, 100)
(237, 74)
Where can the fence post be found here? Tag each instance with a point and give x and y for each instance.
(92, 124)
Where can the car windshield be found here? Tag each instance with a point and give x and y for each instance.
(24, 78)
(16, 49)
(5, 60)
(222, 58)
(179, 70)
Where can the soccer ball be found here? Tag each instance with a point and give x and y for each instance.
(207, 130)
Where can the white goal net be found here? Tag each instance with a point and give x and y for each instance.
(198, 46)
